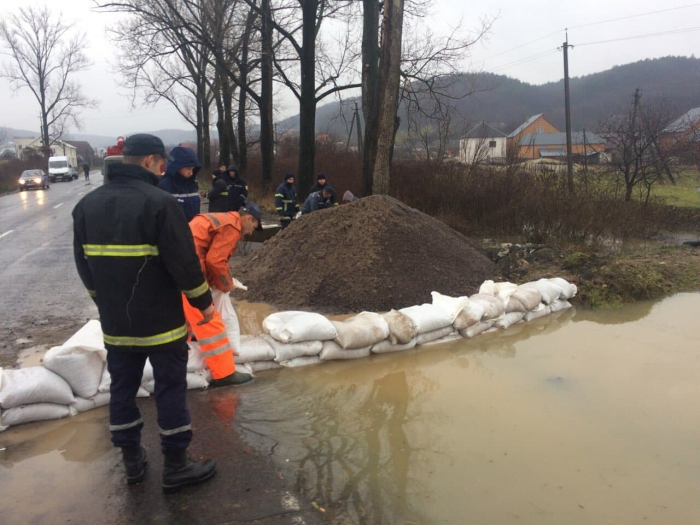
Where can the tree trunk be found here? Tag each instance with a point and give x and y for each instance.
(227, 94)
(389, 77)
(206, 137)
(370, 74)
(267, 139)
(224, 150)
(307, 104)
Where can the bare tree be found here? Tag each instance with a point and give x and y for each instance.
(421, 74)
(44, 58)
(633, 138)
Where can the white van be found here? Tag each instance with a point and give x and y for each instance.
(60, 169)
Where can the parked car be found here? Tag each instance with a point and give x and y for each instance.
(33, 179)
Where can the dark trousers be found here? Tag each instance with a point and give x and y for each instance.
(169, 372)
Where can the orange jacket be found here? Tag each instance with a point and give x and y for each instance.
(216, 237)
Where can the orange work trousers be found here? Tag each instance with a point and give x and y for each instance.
(213, 341)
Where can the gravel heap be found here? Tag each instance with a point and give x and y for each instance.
(374, 254)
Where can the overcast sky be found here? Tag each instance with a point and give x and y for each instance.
(522, 43)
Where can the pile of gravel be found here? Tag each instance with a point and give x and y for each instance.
(374, 254)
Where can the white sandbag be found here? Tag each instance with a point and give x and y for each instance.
(33, 412)
(513, 305)
(548, 291)
(149, 386)
(386, 346)
(105, 381)
(83, 405)
(528, 296)
(451, 305)
(477, 328)
(288, 351)
(89, 338)
(195, 360)
(223, 304)
(142, 392)
(427, 337)
(293, 327)
(32, 385)
(501, 290)
(254, 348)
(509, 319)
(471, 314)
(261, 366)
(332, 350)
(199, 379)
(401, 327)
(568, 290)
(362, 330)
(538, 312)
(147, 372)
(427, 317)
(494, 307)
(244, 368)
(302, 361)
(453, 336)
(82, 369)
(559, 305)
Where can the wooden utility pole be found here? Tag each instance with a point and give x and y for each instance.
(569, 162)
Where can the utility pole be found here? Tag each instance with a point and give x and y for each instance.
(359, 131)
(569, 163)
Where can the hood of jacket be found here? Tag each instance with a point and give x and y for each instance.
(182, 158)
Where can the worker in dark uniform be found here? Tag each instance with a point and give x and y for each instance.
(180, 180)
(229, 191)
(218, 194)
(135, 254)
(318, 200)
(321, 184)
(286, 200)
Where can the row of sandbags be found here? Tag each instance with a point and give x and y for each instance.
(74, 376)
(73, 379)
(293, 339)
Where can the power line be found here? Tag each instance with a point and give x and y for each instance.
(647, 35)
(527, 59)
(592, 24)
(635, 16)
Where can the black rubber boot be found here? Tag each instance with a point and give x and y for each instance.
(135, 462)
(179, 471)
(235, 379)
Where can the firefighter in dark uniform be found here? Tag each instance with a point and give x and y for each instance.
(229, 191)
(135, 254)
(286, 200)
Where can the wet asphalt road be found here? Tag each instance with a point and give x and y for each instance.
(49, 479)
(38, 281)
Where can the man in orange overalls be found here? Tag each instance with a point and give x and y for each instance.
(216, 237)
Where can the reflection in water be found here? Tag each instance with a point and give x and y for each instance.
(23, 195)
(546, 422)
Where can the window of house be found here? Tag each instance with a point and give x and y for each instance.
(540, 129)
(492, 143)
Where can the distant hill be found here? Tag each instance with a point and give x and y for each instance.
(506, 102)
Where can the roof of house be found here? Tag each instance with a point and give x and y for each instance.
(79, 143)
(685, 122)
(559, 139)
(484, 131)
(525, 124)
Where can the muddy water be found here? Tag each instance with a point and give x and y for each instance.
(588, 417)
(579, 417)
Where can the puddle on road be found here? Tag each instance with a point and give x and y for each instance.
(590, 417)
(578, 417)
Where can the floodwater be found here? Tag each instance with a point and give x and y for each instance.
(588, 417)
(579, 417)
